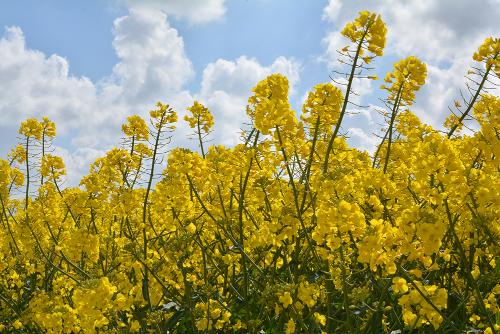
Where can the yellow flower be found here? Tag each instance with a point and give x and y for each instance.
(290, 327)
(367, 27)
(31, 128)
(488, 52)
(48, 128)
(408, 76)
(135, 326)
(399, 285)
(52, 167)
(200, 117)
(191, 228)
(269, 106)
(136, 128)
(324, 102)
(18, 324)
(286, 299)
(320, 318)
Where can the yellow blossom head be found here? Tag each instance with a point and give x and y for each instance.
(48, 127)
(136, 127)
(163, 115)
(200, 117)
(269, 106)
(324, 102)
(407, 77)
(489, 53)
(31, 128)
(52, 167)
(369, 30)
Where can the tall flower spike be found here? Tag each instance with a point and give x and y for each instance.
(368, 32)
(52, 167)
(367, 27)
(31, 128)
(136, 127)
(200, 116)
(269, 106)
(49, 127)
(324, 102)
(488, 53)
(163, 115)
(408, 76)
(201, 120)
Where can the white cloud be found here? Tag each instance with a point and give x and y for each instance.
(35, 85)
(332, 42)
(367, 113)
(152, 66)
(226, 86)
(439, 30)
(444, 34)
(360, 139)
(152, 58)
(194, 11)
(332, 10)
(360, 89)
(433, 30)
(442, 88)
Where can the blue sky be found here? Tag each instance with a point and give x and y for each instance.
(89, 64)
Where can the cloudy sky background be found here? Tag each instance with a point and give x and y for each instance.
(89, 64)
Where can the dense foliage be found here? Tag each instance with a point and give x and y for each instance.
(290, 231)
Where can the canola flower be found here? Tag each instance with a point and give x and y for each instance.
(257, 237)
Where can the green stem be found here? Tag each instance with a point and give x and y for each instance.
(346, 100)
(397, 102)
(474, 98)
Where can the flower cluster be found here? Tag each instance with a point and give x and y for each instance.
(323, 107)
(408, 76)
(200, 117)
(269, 106)
(367, 27)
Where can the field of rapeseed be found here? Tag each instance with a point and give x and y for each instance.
(291, 231)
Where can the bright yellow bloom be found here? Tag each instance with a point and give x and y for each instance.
(324, 102)
(286, 299)
(136, 127)
(200, 117)
(399, 285)
(52, 167)
(367, 27)
(489, 52)
(269, 106)
(408, 76)
(31, 128)
(290, 327)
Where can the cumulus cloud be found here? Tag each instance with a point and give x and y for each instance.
(152, 58)
(194, 11)
(152, 66)
(432, 30)
(444, 34)
(361, 139)
(332, 10)
(35, 85)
